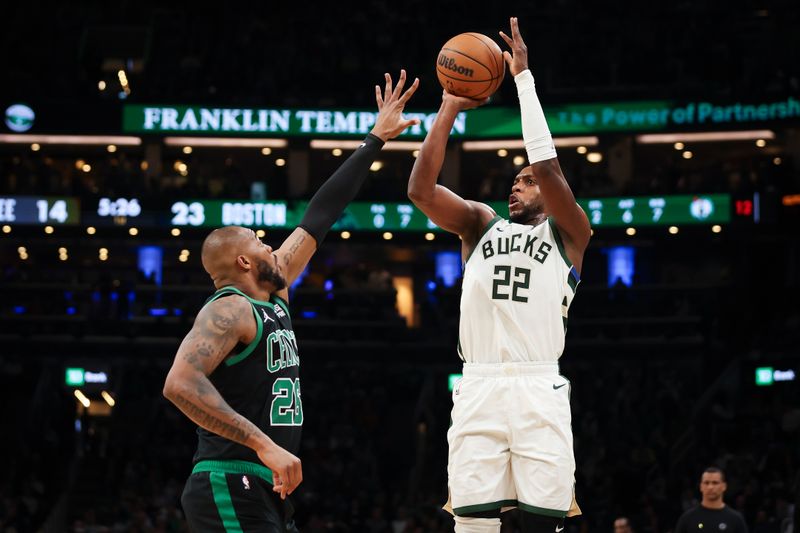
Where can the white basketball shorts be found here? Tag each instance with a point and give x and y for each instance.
(511, 440)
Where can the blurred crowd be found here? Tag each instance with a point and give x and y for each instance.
(173, 53)
(670, 358)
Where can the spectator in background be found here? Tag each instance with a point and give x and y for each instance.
(622, 525)
(712, 514)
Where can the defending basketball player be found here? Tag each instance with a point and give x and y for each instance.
(236, 374)
(510, 444)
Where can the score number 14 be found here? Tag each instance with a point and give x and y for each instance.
(57, 212)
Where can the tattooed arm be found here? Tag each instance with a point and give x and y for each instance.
(294, 254)
(218, 328)
(330, 200)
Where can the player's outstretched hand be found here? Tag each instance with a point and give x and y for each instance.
(390, 122)
(287, 472)
(518, 58)
(462, 102)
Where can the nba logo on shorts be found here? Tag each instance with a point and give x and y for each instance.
(246, 483)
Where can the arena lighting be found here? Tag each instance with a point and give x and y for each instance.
(621, 265)
(119, 140)
(518, 144)
(82, 398)
(397, 146)
(225, 142)
(787, 200)
(108, 398)
(670, 138)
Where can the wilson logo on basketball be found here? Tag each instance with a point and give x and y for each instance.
(450, 64)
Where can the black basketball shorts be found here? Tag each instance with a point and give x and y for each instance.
(234, 497)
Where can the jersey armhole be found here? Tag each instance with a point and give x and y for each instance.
(228, 291)
(574, 278)
(489, 225)
(232, 360)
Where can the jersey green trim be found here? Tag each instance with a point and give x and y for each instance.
(572, 282)
(541, 510)
(259, 324)
(495, 220)
(283, 303)
(467, 509)
(222, 498)
(231, 466)
(231, 288)
(559, 242)
(230, 361)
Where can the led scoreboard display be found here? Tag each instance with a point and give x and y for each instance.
(659, 210)
(34, 210)
(384, 217)
(356, 216)
(215, 213)
(364, 216)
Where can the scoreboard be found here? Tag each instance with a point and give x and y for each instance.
(364, 216)
(44, 210)
(658, 210)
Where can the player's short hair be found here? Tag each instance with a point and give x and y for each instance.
(714, 470)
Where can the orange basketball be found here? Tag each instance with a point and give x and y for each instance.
(471, 65)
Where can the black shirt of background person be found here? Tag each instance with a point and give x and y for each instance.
(707, 520)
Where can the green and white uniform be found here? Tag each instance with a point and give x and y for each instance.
(511, 438)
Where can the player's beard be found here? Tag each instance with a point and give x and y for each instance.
(269, 274)
(526, 214)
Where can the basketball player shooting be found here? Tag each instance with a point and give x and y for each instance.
(236, 374)
(510, 443)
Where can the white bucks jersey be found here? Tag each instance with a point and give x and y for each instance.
(518, 285)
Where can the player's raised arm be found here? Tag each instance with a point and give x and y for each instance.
(340, 189)
(444, 207)
(558, 198)
(218, 328)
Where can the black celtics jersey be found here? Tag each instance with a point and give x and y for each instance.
(259, 381)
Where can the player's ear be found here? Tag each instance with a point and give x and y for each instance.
(243, 263)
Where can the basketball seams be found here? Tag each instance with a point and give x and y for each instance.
(446, 75)
(500, 69)
(459, 52)
(491, 52)
(451, 54)
(489, 81)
